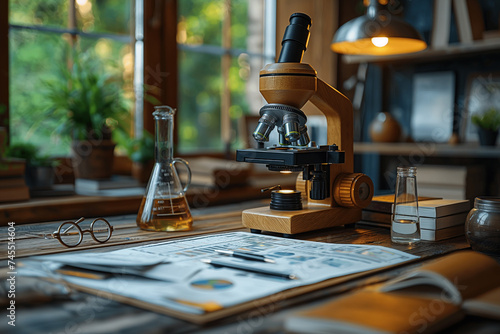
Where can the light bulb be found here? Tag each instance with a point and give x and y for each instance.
(380, 41)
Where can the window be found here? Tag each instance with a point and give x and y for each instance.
(221, 51)
(40, 34)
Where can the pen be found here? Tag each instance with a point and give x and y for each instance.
(246, 256)
(249, 268)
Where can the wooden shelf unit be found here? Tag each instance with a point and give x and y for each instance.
(429, 55)
(471, 150)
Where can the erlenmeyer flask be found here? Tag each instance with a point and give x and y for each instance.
(164, 206)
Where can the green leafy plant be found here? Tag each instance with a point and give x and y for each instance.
(88, 98)
(138, 149)
(489, 119)
(30, 153)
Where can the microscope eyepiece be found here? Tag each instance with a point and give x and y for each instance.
(295, 39)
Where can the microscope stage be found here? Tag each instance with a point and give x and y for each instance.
(292, 156)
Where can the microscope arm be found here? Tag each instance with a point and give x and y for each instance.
(339, 117)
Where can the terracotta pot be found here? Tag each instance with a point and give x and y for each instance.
(385, 129)
(93, 159)
(142, 171)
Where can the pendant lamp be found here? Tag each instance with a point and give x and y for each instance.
(378, 33)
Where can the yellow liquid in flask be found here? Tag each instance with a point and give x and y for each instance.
(165, 214)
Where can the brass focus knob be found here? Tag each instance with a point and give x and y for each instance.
(353, 190)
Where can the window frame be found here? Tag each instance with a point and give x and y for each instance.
(226, 52)
(160, 65)
(159, 68)
(72, 30)
(4, 67)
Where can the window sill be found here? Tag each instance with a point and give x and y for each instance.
(72, 207)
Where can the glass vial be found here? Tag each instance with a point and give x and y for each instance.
(164, 206)
(405, 226)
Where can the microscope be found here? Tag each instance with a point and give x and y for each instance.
(327, 192)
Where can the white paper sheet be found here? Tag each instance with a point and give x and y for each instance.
(189, 281)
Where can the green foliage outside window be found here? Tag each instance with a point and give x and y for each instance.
(36, 56)
(200, 77)
(87, 99)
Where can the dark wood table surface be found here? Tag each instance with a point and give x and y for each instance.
(42, 307)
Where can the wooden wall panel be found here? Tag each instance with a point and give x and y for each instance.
(4, 63)
(160, 55)
(324, 15)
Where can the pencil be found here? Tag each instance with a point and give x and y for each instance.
(246, 256)
(250, 269)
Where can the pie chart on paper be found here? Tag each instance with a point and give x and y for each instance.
(212, 284)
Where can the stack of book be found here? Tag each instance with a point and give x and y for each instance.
(216, 173)
(12, 183)
(439, 218)
(117, 185)
(442, 218)
(457, 182)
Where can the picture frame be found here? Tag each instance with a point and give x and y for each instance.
(433, 106)
(483, 91)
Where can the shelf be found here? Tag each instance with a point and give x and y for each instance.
(453, 50)
(429, 149)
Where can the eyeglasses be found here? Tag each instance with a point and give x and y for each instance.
(70, 234)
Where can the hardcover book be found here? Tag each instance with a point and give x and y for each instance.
(427, 223)
(438, 208)
(394, 307)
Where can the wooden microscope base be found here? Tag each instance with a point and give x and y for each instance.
(312, 217)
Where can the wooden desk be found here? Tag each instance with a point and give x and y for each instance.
(82, 313)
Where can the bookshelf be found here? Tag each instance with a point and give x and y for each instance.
(477, 166)
(469, 150)
(430, 54)
(389, 86)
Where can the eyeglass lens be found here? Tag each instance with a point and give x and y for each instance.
(101, 230)
(70, 234)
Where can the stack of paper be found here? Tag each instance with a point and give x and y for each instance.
(190, 279)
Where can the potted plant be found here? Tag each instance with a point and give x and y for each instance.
(39, 172)
(141, 153)
(487, 124)
(89, 99)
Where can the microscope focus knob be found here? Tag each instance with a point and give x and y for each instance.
(353, 190)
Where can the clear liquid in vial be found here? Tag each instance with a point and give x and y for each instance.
(405, 231)
(166, 214)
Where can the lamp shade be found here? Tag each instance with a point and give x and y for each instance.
(377, 33)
